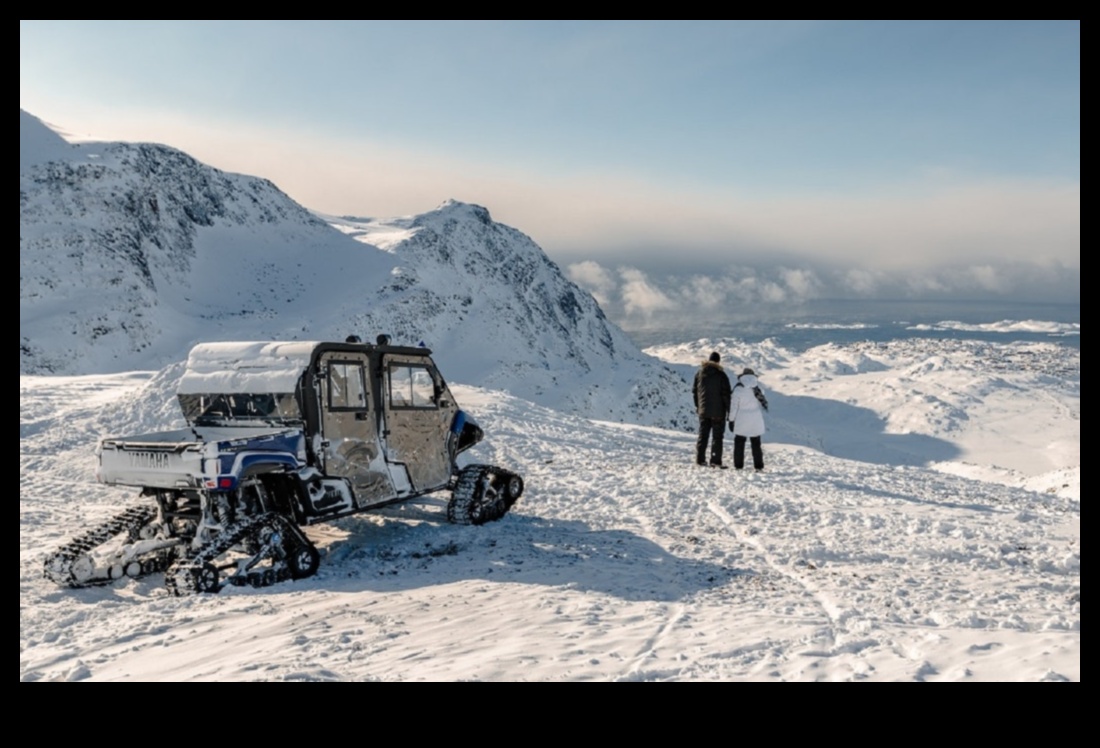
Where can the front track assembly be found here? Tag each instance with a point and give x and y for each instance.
(483, 493)
(256, 552)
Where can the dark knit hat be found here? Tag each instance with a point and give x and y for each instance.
(748, 371)
(715, 357)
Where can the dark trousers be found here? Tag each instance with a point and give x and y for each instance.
(739, 452)
(712, 430)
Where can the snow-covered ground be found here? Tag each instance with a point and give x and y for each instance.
(919, 519)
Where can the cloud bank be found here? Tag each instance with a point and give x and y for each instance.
(637, 298)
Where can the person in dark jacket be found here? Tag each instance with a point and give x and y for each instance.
(711, 392)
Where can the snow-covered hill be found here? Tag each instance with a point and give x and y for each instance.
(622, 561)
(500, 314)
(131, 253)
(998, 410)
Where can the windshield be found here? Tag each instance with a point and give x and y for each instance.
(240, 409)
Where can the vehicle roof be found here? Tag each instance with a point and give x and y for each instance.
(263, 366)
(250, 366)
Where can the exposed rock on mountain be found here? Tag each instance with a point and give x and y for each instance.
(466, 284)
(128, 253)
(131, 253)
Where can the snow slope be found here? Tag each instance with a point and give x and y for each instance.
(623, 561)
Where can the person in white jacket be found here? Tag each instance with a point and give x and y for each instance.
(747, 407)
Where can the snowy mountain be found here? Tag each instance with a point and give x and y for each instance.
(131, 253)
(128, 253)
(487, 299)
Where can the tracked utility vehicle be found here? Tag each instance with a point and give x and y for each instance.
(281, 436)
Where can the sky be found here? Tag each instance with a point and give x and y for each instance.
(918, 520)
(813, 159)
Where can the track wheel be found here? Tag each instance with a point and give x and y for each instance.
(191, 580)
(303, 561)
(490, 504)
(486, 503)
(207, 579)
(513, 488)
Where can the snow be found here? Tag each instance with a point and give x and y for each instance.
(918, 519)
(1008, 325)
(39, 144)
(914, 522)
(257, 366)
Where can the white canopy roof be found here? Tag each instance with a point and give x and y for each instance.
(264, 367)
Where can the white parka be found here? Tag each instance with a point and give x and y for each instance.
(745, 410)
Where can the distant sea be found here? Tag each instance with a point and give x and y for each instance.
(799, 327)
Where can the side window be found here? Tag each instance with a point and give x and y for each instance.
(423, 389)
(346, 386)
(411, 387)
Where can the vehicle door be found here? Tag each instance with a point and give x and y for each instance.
(418, 414)
(350, 444)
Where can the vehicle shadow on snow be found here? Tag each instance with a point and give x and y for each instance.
(390, 554)
(843, 430)
(414, 547)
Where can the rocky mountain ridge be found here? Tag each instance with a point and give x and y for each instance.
(131, 253)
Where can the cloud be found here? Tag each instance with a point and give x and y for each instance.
(637, 297)
(631, 293)
(706, 292)
(803, 283)
(595, 278)
(989, 278)
(860, 282)
(640, 297)
(901, 227)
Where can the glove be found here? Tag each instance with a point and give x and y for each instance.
(731, 427)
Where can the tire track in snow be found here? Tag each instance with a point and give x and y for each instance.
(832, 612)
(649, 648)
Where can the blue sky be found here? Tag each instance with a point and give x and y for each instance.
(822, 157)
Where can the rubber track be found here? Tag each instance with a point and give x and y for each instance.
(181, 578)
(59, 565)
(466, 507)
